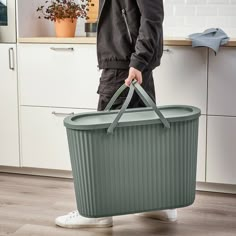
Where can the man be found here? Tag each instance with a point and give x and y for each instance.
(129, 46)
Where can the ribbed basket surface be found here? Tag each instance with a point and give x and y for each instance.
(136, 169)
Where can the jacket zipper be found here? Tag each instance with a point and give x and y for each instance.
(127, 26)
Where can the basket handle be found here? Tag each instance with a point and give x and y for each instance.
(142, 94)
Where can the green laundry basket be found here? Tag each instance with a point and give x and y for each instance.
(133, 160)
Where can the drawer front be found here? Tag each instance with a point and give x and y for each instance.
(222, 82)
(43, 137)
(58, 75)
(9, 136)
(44, 142)
(182, 77)
(221, 150)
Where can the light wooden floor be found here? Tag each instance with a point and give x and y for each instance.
(29, 204)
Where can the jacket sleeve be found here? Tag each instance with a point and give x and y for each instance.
(150, 33)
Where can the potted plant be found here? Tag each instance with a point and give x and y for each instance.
(64, 13)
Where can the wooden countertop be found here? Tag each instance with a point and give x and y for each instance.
(168, 41)
(74, 40)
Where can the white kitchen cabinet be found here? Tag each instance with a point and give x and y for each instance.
(43, 137)
(222, 82)
(201, 157)
(182, 77)
(44, 142)
(9, 136)
(58, 75)
(221, 150)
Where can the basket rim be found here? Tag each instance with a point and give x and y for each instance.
(72, 121)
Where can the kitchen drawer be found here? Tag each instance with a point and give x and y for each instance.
(58, 75)
(182, 77)
(221, 150)
(43, 137)
(222, 82)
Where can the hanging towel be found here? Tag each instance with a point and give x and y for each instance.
(212, 38)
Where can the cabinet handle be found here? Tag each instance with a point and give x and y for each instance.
(11, 59)
(62, 49)
(167, 50)
(62, 114)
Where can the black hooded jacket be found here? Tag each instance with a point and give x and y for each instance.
(130, 34)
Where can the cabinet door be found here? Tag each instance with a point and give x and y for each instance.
(43, 137)
(59, 75)
(201, 158)
(221, 150)
(222, 82)
(182, 77)
(9, 141)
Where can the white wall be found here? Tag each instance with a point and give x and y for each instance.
(29, 25)
(183, 17)
(3, 2)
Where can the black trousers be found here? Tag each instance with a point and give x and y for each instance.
(112, 79)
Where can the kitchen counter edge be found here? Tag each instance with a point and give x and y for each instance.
(168, 41)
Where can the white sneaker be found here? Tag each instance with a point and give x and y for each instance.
(75, 220)
(162, 215)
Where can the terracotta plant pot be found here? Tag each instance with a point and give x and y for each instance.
(65, 28)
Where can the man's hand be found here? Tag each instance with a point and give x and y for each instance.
(134, 74)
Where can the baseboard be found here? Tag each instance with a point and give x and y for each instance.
(215, 187)
(201, 186)
(37, 171)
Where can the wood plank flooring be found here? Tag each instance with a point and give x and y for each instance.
(29, 205)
